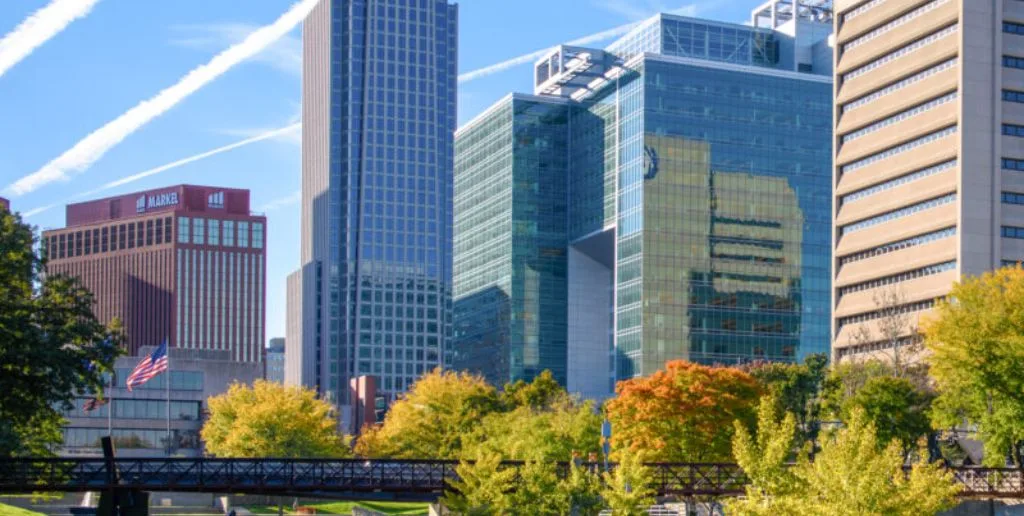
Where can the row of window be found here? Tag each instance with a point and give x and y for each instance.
(1013, 96)
(180, 380)
(884, 29)
(900, 52)
(902, 309)
(1014, 232)
(899, 85)
(1013, 62)
(898, 245)
(1013, 28)
(862, 9)
(1013, 130)
(219, 232)
(1013, 164)
(131, 438)
(899, 278)
(898, 214)
(899, 149)
(901, 116)
(137, 409)
(901, 180)
(114, 237)
(1012, 198)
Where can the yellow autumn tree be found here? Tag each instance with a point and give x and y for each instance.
(976, 344)
(433, 419)
(272, 420)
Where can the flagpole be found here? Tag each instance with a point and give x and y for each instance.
(168, 384)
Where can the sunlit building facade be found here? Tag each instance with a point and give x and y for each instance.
(379, 82)
(669, 192)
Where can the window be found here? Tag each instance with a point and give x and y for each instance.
(198, 225)
(243, 234)
(1013, 130)
(1013, 62)
(1013, 232)
(862, 9)
(899, 85)
(901, 116)
(902, 20)
(892, 56)
(1013, 28)
(898, 278)
(903, 309)
(1013, 96)
(1013, 198)
(229, 233)
(257, 235)
(898, 245)
(1013, 164)
(213, 232)
(182, 230)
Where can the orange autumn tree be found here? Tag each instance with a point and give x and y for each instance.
(684, 413)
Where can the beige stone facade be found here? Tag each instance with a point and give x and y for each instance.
(924, 90)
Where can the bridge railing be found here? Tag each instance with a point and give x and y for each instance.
(414, 479)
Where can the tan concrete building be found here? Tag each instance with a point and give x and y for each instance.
(929, 157)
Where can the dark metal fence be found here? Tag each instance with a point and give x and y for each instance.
(394, 479)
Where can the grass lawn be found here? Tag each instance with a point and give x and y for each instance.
(7, 510)
(397, 508)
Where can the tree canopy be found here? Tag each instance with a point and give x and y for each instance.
(854, 474)
(683, 413)
(52, 347)
(433, 419)
(976, 344)
(272, 420)
(796, 388)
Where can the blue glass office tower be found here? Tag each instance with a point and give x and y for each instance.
(373, 296)
(679, 207)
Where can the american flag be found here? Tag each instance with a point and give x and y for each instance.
(149, 367)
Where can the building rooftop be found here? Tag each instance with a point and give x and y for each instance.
(170, 199)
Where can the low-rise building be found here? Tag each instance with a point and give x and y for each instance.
(275, 360)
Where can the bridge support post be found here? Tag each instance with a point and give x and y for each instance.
(119, 500)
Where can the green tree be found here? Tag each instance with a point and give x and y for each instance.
(539, 491)
(763, 456)
(854, 474)
(583, 487)
(796, 388)
(628, 488)
(683, 413)
(547, 433)
(483, 487)
(433, 419)
(52, 347)
(976, 344)
(896, 407)
(272, 420)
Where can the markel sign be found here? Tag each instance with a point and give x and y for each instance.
(144, 202)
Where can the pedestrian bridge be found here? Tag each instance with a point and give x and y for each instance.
(413, 480)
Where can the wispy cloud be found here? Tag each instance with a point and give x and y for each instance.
(95, 145)
(637, 10)
(38, 28)
(275, 133)
(282, 202)
(289, 137)
(687, 10)
(284, 54)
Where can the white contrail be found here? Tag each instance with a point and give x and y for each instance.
(281, 202)
(96, 144)
(174, 164)
(38, 28)
(689, 10)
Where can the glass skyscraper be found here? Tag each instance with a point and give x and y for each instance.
(379, 82)
(667, 197)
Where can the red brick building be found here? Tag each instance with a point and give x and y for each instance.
(185, 263)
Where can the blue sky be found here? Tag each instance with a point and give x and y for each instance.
(125, 51)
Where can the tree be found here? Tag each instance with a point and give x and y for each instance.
(541, 392)
(763, 456)
(548, 433)
(433, 419)
(796, 388)
(628, 490)
(683, 413)
(52, 347)
(539, 491)
(482, 488)
(976, 344)
(897, 409)
(272, 420)
(854, 474)
(897, 332)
